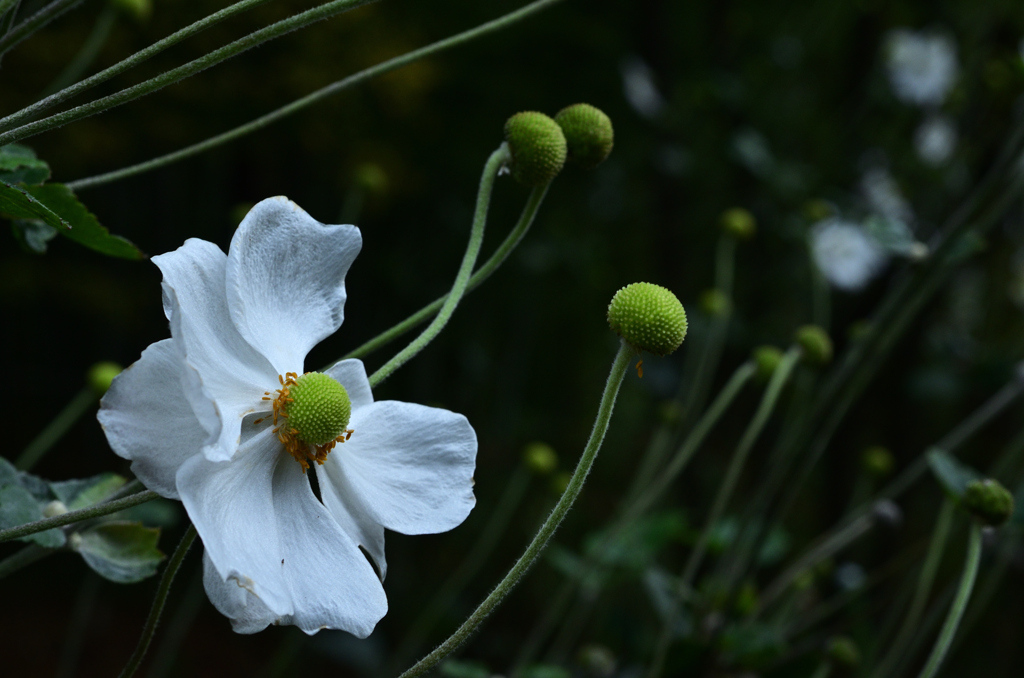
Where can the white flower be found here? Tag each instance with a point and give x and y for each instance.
(935, 140)
(639, 88)
(193, 417)
(847, 256)
(884, 197)
(922, 66)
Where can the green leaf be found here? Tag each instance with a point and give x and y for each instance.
(18, 507)
(456, 668)
(951, 474)
(58, 207)
(32, 234)
(19, 164)
(84, 492)
(120, 551)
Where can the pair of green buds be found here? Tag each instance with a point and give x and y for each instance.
(540, 146)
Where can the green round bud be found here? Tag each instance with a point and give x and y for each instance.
(537, 146)
(588, 134)
(842, 651)
(54, 508)
(738, 223)
(766, 359)
(989, 501)
(816, 344)
(137, 9)
(715, 303)
(648, 317)
(670, 412)
(320, 408)
(101, 375)
(540, 458)
(371, 178)
(877, 461)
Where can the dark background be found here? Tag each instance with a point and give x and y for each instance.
(525, 357)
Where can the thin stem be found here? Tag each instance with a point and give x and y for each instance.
(34, 23)
(25, 556)
(479, 276)
(29, 112)
(174, 75)
(88, 52)
(924, 587)
(314, 97)
(158, 602)
(495, 162)
(604, 413)
(75, 516)
(956, 610)
(56, 429)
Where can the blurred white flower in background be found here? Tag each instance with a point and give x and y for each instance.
(845, 253)
(884, 197)
(935, 140)
(922, 66)
(640, 90)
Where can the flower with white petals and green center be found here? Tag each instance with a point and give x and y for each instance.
(219, 417)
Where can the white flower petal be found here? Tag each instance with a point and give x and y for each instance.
(234, 375)
(352, 375)
(147, 417)
(286, 280)
(410, 467)
(340, 500)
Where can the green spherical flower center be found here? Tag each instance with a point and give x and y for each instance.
(311, 415)
(649, 317)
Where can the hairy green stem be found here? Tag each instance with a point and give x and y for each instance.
(158, 602)
(314, 97)
(103, 509)
(56, 429)
(30, 112)
(174, 75)
(34, 23)
(604, 414)
(956, 610)
(514, 237)
(495, 162)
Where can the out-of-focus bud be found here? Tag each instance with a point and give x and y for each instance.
(588, 134)
(715, 303)
(989, 501)
(538, 148)
(370, 177)
(816, 344)
(137, 9)
(842, 651)
(540, 458)
(877, 461)
(54, 508)
(766, 359)
(101, 375)
(597, 660)
(670, 412)
(738, 223)
(560, 481)
(649, 317)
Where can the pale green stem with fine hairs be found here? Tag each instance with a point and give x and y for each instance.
(956, 611)
(604, 413)
(479, 276)
(29, 112)
(494, 163)
(314, 97)
(76, 516)
(56, 429)
(34, 23)
(174, 75)
(921, 593)
(158, 602)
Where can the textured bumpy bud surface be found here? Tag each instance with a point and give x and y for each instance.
(101, 375)
(816, 344)
(990, 502)
(320, 409)
(648, 317)
(537, 146)
(540, 458)
(739, 223)
(588, 134)
(766, 359)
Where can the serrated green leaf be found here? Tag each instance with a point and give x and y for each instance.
(18, 507)
(57, 206)
(84, 492)
(120, 551)
(32, 234)
(952, 475)
(20, 164)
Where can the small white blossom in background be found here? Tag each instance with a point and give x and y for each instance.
(883, 196)
(935, 140)
(845, 253)
(639, 88)
(197, 416)
(922, 66)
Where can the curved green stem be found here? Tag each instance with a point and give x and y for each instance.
(921, 593)
(76, 516)
(956, 610)
(34, 23)
(158, 602)
(494, 163)
(56, 429)
(174, 75)
(29, 112)
(314, 97)
(479, 276)
(604, 413)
